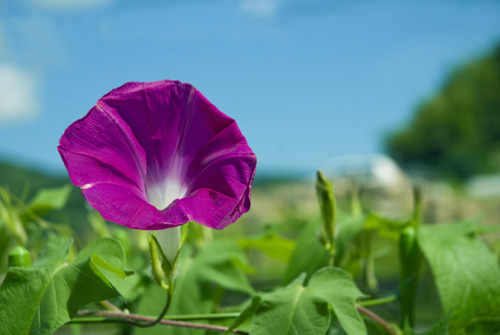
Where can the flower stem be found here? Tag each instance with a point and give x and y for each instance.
(377, 319)
(331, 255)
(368, 261)
(134, 317)
(153, 322)
(380, 301)
(217, 316)
(188, 317)
(410, 258)
(109, 306)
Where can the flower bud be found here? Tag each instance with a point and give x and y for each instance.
(156, 266)
(19, 256)
(326, 201)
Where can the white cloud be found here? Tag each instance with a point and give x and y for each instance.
(259, 8)
(19, 96)
(72, 5)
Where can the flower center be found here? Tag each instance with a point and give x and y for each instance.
(163, 194)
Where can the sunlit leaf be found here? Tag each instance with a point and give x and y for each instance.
(299, 309)
(222, 262)
(336, 287)
(101, 262)
(466, 273)
(290, 310)
(272, 245)
(46, 200)
(440, 328)
(248, 312)
(348, 228)
(386, 228)
(309, 254)
(152, 301)
(41, 298)
(5, 243)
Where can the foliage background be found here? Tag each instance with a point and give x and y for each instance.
(456, 133)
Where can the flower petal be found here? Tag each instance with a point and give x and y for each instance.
(119, 204)
(225, 166)
(216, 203)
(160, 139)
(101, 147)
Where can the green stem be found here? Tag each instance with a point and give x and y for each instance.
(368, 261)
(113, 316)
(109, 306)
(410, 258)
(84, 319)
(189, 317)
(217, 316)
(153, 322)
(410, 261)
(331, 259)
(356, 208)
(379, 301)
(377, 319)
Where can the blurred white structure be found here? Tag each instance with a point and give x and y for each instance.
(373, 170)
(487, 185)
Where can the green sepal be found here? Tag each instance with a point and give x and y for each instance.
(160, 274)
(166, 266)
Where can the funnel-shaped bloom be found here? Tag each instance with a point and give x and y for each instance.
(157, 155)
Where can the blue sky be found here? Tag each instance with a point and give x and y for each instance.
(306, 80)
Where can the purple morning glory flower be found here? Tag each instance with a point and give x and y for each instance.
(157, 155)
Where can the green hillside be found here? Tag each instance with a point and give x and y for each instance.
(20, 179)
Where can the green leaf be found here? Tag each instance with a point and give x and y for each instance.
(441, 328)
(309, 254)
(46, 200)
(386, 228)
(290, 310)
(487, 229)
(97, 222)
(153, 299)
(410, 260)
(41, 298)
(9, 218)
(101, 262)
(248, 312)
(348, 228)
(5, 244)
(466, 273)
(223, 263)
(192, 295)
(336, 287)
(219, 264)
(298, 309)
(272, 245)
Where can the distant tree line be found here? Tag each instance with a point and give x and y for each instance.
(456, 133)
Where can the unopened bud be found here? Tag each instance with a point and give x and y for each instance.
(324, 191)
(19, 256)
(156, 268)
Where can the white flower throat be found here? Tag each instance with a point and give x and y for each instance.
(163, 194)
